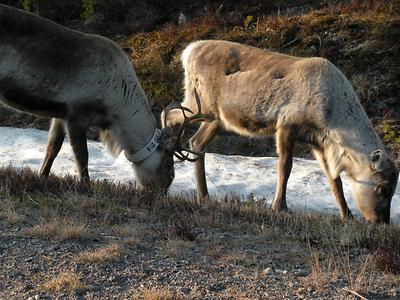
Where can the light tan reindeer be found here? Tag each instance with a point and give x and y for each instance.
(255, 93)
(81, 80)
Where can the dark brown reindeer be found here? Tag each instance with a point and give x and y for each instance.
(256, 93)
(81, 80)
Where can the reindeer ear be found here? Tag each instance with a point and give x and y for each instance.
(377, 160)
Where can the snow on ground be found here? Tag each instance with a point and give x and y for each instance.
(307, 188)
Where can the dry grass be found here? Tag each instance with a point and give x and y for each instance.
(236, 258)
(214, 251)
(104, 254)
(63, 230)
(156, 54)
(177, 248)
(361, 278)
(58, 221)
(331, 258)
(65, 282)
(131, 234)
(10, 214)
(158, 294)
(180, 228)
(325, 272)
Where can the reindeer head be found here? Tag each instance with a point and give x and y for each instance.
(154, 164)
(374, 188)
(177, 118)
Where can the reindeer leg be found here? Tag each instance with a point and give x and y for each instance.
(198, 142)
(77, 135)
(335, 185)
(56, 138)
(285, 139)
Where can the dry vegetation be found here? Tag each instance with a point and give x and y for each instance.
(122, 225)
(108, 253)
(59, 230)
(67, 282)
(156, 294)
(360, 37)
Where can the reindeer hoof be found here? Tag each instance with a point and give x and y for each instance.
(348, 217)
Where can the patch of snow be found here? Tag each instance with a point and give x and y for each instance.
(307, 188)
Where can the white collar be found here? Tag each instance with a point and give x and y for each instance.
(146, 150)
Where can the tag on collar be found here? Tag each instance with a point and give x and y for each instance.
(147, 150)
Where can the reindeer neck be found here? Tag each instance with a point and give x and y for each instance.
(133, 114)
(353, 145)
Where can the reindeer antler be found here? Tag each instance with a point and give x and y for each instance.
(194, 118)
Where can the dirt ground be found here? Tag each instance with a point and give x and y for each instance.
(217, 264)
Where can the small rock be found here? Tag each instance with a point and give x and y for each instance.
(268, 271)
(217, 287)
(186, 290)
(28, 287)
(182, 19)
(301, 272)
(300, 291)
(29, 259)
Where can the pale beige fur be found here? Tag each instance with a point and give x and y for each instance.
(255, 93)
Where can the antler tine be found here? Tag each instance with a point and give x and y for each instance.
(195, 117)
(174, 105)
(198, 117)
(179, 154)
(183, 126)
(184, 157)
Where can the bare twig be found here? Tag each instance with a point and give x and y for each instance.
(354, 293)
(387, 50)
(290, 43)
